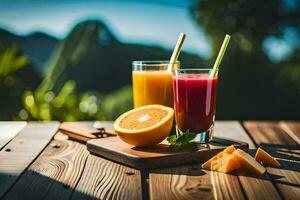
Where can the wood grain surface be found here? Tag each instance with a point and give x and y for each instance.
(22, 150)
(233, 189)
(272, 137)
(268, 133)
(258, 187)
(175, 182)
(85, 131)
(232, 130)
(292, 128)
(8, 130)
(66, 170)
(189, 182)
(103, 179)
(54, 174)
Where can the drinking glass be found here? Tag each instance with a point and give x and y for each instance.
(195, 94)
(152, 82)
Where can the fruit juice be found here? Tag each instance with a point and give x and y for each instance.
(195, 101)
(152, 87)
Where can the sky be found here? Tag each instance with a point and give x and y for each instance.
(155, 22)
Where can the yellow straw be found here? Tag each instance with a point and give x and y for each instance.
(215, 69)
(176, 51)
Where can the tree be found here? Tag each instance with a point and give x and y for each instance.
(251, 84)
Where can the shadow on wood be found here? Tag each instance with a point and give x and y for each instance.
(36, 186)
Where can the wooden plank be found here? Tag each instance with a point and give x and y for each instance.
(281, 145)
(292, 128)
(85, 131)
(22, 150)
(191, 182)
(268, 132)
(223, 186)
(188, 182)
(233, 189)
(104, 179)
(54, 174)
(291, 191)
(57, 171)
(82, 131)
(258, 187)
(254, 187)
(289, 157)
(232, 130)
(8, 130)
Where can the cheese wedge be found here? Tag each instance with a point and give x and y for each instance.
(248, 162)
(225, 164)
(228, 150)
(265, 158)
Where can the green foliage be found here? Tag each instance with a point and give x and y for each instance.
(69, 105)
(57, 98)
(66, 105)
(117, 102)
(15, 76)
(11, 61)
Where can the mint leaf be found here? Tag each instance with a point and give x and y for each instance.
(182, 140)
(186, 137)
(172, 139)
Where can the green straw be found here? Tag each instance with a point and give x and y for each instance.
(215, 69)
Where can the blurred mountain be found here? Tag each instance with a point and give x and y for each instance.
(90, 55)
(93, 57)
(38, 46)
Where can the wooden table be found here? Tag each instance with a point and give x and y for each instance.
(33, 165)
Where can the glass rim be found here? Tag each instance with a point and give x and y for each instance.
(195, 70)
(153, 62)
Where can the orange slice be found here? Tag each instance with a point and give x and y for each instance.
(228, 150)
(146, 125)
(248, 162)
(265, 158)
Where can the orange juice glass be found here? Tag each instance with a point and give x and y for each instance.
(152, 83)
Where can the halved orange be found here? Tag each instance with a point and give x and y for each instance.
(145, 126)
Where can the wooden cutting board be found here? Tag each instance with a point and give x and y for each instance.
(161, 155)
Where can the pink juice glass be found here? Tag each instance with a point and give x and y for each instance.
(195, 94)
